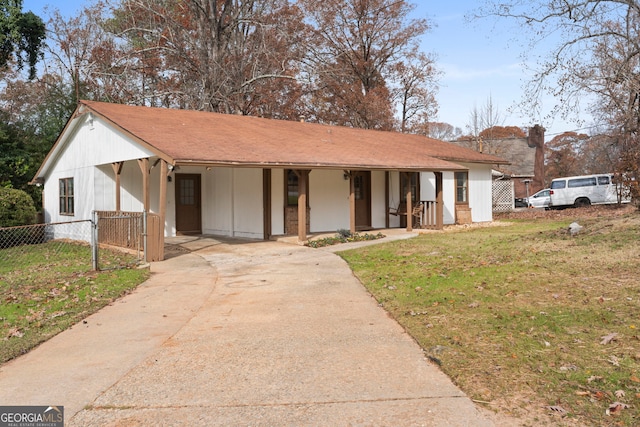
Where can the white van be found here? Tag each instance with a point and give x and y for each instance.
(584, 190)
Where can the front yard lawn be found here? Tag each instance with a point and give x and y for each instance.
(528, 320)
(44, 289)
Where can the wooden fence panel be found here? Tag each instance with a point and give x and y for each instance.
(126, 230)
(155, 238)
(121, 229)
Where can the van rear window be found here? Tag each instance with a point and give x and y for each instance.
(558, 184)
(603, 180)
(582, 182)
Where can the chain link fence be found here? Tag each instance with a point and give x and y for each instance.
(110, 240)
(46, 240)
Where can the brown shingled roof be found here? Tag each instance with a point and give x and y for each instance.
(222, 139)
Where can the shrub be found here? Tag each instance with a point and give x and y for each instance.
(343, 236)
(16, 208)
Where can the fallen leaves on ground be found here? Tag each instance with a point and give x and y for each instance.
(616, 407)
(608, 338)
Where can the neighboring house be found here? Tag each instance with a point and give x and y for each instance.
(523, 175)
(526, 160)
(240, 176)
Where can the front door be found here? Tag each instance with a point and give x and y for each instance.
(362, 188)
(188, 213)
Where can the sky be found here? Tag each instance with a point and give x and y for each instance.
(478, 61)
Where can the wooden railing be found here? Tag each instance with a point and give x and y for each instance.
(127, 230)
(430, 215)
(424, 214)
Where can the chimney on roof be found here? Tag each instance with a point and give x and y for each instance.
(301, 119)
(536, 139)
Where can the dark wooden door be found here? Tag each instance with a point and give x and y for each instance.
(188, 204)
(362, 188)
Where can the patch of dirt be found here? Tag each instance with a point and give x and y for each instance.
(569, 213)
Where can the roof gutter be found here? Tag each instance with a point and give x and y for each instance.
(221, 163)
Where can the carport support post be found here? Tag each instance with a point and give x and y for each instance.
(144, 168)
(164, 172)
(409, 207)
(117, 170)
(303, 176)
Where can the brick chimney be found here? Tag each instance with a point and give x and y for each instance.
(536, 139)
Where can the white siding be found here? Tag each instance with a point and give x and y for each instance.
(449, 197)
(86, 158)
(277, 202)
(83, 198)
(217, 202)
(378, 201)
(480, 188)
(232, 202)
(328, 200)
(95, 143)
(131, 193)
(248, 204)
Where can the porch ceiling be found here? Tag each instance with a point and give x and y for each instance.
(203, 138)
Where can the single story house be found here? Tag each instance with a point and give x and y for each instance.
(250, 177)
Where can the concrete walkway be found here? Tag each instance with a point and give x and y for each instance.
(242, 334)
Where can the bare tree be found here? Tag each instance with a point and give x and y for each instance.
(414, 90)
(486, 117)
(596, 58)
(442, 131)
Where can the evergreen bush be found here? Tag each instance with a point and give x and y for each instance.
(16, 208)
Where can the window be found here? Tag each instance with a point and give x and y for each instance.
(187, 191)
(462, 187)
(360, 190)
(558, 184)
(604, 180)
(66, 196)
(415, 189)
(292, 188)
(582, 182)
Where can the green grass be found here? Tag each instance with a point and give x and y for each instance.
(515, 314)
(46, 288)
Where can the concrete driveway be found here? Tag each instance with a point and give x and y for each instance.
(244, 334)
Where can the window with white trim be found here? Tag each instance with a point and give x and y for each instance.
(462, 188)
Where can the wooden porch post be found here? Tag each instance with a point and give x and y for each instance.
(117, 170)
(303, 176)
(144, 168)
(409, 202)
(439, 202)
(164, 172)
